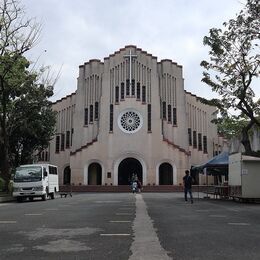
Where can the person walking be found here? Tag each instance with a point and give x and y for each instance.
(187, 182)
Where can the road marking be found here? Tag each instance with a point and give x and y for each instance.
(51, 209)
(124, 214)
(33, 214)
(107, 201)
(115, 235)
(202, 210)
(239, 224)
(120, 221)
(146, 244)
(8, 221)
(217, 216)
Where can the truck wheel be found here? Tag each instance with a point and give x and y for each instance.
(19, 199)
(44, 197)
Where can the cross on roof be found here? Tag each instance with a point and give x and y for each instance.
(130, 56)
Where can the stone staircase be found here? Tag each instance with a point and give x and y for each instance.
(120, 188)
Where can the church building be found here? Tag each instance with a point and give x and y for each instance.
(131, 115)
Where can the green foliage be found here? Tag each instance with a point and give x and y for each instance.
(29, 119)
(230, 127)
(234, 65)
(26, 119)
(32, 123)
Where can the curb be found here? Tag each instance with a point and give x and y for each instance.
(6, 199)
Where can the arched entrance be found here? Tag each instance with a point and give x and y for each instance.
(94, 174)
(165, 174)
(66, 176)
(126, 169)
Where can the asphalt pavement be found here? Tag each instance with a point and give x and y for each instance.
(128, 226)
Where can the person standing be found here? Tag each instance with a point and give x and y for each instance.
(139, 185)
(187, 182)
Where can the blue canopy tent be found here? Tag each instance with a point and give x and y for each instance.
(218, 165)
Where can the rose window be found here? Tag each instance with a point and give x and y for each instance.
(130, 121)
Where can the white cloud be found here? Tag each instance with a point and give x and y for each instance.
(79, 30)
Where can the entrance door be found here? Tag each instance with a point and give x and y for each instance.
(66, 176)
(127, 168)
(165, 174)
(94, 174)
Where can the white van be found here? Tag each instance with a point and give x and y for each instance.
(35, 180)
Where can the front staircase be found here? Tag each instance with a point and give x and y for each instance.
(119, 188)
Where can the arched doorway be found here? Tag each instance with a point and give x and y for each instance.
(94, 174)
(126, 169)
(165, 174)
(66, 176)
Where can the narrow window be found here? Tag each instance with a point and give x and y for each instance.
(111, 116)
(46, 156)
(143, 94)
(138, 91)
(62, 142)
(127, 87)
(86, 117)
(57, 149)
(96, 111)
(122, 91)
(194, 139)
(40, 156)
(174, 114)
(169, 113)
(133, 87)
(117, 94)
(72, 131)
(189, 135)
(199, 142)
(205, 145)
(68, 139)
(164, 110)
(91, 114)
(149, 117)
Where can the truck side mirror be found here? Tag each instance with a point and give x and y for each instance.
(45, 174)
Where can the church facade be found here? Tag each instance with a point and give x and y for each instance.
(131, 115)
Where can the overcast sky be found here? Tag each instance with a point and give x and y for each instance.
(75, 31)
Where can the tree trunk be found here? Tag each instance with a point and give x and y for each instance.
(5, 166)
(245, 138)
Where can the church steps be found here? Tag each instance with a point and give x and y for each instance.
(120, 188)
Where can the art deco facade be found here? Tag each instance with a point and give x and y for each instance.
(131, 114)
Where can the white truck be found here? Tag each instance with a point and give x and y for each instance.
(35, 180)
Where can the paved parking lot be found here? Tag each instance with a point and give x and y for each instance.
(127, 226)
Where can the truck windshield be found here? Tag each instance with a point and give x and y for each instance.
(28, 174)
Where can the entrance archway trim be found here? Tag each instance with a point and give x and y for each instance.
(125, 156)
(62, 175)
(86, 171)
(174, 171)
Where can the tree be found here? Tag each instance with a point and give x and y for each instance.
(32, 121)
(234, 67)
(23, 101)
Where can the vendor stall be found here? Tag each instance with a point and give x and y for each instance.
(244, 177)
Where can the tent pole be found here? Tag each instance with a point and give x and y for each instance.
(207, 183)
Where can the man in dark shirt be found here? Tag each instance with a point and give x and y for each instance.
(187, 182)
